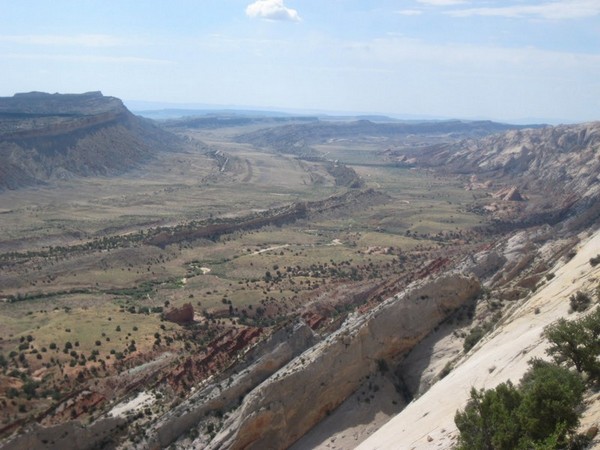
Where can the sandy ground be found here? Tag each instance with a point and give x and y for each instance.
(428, 422)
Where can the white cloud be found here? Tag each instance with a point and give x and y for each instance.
(409, 12)
(556, 10)
(442, 2)
(272, 10)
(81, 40)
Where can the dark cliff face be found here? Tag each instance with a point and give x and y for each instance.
(52, 136)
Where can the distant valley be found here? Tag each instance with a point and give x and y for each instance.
(228, 280)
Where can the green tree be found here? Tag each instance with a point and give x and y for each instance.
(541, 413)
(576, 343)
(551, 395)
(490, 419)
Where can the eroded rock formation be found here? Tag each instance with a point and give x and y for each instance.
(258, 364)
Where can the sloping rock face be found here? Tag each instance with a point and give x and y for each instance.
(510, 194)
(57, 136)
(259, 363)
(294, 399)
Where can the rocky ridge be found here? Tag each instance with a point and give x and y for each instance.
(294, 399)
(558, 160)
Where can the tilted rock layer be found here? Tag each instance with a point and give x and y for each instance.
(285, 406)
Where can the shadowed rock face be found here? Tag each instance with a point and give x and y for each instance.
(57, 136)
(294, 399)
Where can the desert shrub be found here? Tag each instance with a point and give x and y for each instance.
(382, 365)
(595, 260)
(579, 301)
(473, 338)
(447, 369)
(542, 412)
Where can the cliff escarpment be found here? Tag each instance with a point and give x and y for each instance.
(59, 136)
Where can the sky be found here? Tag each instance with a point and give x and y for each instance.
(510, 60)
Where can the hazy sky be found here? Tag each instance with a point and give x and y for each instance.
(504, 60)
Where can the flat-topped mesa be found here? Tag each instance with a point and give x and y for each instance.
(41, 103)
(38, 114)
(56, 136)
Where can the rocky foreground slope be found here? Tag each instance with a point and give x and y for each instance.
(58, 136)
(428, 422)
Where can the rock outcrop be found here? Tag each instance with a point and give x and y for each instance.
(295, 398)
(510, 194)
(182, 315)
